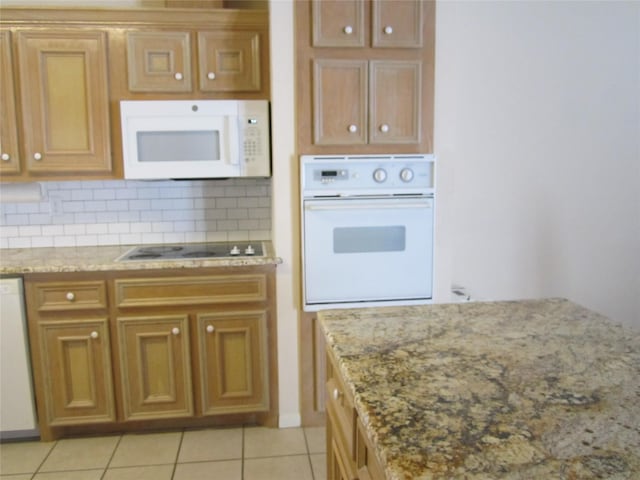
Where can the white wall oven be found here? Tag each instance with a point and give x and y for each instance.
(367, 229)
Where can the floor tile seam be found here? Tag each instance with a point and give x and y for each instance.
(113, 453)
(277, 456)
(55, 444)
(177, 456)
(209, 460)
(137, 465)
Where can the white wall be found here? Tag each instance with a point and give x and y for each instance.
(538, 142)
(284, 211)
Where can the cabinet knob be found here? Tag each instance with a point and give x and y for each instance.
(94, 334)
(348, 29)
(336, 394)
(388, 30)
(210, 328)
(178, 76)
(5, 157)
(70, 296)
(353, 128)
(211, 76)
(175, 331)
(37, 156)
(384, 128)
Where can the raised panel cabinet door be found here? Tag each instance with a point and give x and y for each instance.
(233, 362)
(229, 61)
(338, 23)
(397, 24)
(76, 368)
(340, 102)
(155, 366)
(395, 102)
(65, 102)
(9, 157)
(159, 61)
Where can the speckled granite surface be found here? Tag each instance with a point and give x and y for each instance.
(93, 259)
(499, 390)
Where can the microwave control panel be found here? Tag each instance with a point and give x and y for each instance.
(254, 134)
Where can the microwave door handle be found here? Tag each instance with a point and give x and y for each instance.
(232, 125)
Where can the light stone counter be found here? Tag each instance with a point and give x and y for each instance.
(94, 259)
(499, 390)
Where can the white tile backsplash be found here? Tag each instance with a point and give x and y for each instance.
(123, 212)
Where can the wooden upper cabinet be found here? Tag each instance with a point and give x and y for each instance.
(396, 24)
(356, 102)
(340, 104)
(229, 61)
(159, 61)
(341, 23)
(64, 101)
(9, 154)
(395, 101)
(338, 23)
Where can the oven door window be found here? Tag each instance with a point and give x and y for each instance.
(391, 238)
(358, 250)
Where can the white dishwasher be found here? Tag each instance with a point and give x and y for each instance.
(17, 409)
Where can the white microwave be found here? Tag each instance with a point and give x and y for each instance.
(195, 139)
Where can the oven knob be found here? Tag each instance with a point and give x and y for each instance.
(406, 174)
(379, 175)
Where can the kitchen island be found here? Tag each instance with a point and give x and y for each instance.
(519, 390)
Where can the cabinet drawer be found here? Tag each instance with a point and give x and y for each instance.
(58, 296)
(153, 292)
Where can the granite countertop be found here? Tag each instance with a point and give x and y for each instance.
(102, 258)
(534, 389)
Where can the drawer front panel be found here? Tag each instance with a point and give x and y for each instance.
(58, 296)
(153, 292)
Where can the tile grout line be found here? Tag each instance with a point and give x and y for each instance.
(306, 442)
(242, 455)
(175, 463)
(106, 467)
(33, 475)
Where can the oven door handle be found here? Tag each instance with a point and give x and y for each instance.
(366, 206)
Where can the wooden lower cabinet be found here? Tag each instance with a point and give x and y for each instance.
(76, 371)
(233, 361)
(155, 367)
(350, 455)
(109, 356)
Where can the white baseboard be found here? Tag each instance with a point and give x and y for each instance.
(289, 420)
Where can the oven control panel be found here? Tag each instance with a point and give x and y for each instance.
(329, 175)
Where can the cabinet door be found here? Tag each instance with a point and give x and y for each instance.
(155, 367)
(233, 362)
(159, 62)
(229, 61)
(395, 102)
(76, 369)
(397, 24)
(64, 100)
(339, 102)
(338, 23)
(9, 159)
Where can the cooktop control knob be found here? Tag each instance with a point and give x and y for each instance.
(380, 175)
(406, 174)
(235, 250)
(249, 250)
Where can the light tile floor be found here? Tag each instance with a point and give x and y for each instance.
(244, 453)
